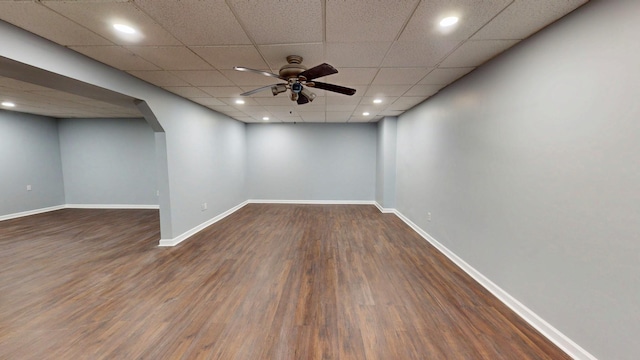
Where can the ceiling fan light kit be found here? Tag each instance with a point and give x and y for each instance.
(298, 79)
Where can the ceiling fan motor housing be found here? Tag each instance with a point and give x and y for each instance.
(293, 67)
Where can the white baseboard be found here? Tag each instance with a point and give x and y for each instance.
(112, 206)
(384, 210)
(76, 206)
(312, 202)
(554, 335)
(31, 212)
(184, 236)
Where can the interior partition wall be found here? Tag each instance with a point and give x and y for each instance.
(527, 169)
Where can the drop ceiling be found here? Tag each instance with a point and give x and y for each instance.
(389, 50)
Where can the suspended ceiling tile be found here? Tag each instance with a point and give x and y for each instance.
(523, 18)
(254, 110)
(290, 119)
(222, 91)
(280, 21)
(352, 76)
(360, 119)
(257, 112)
(171, 57)
(343, 100)
(245, 119)
(208, 101)
(369, 54)
(316, 116)
(405, 103)
(419, 54)
(10, 83)
(226, 57)
(423, 90)
(386, 100)
(258, 120)
(310, 107)
(224, 108)
(366, 20)
(341, 108)
(203, 77)
(473, 14)
(99, 17)
(197, 22)
(276, 55)
(283, 110)
(444, 76)
(391, 112)
(387, 90)
(159, 78)
(338, 116)
(399, 76)
(186, 91)
(370, 109)
(232, 101)
(477, 52)
(42, 21)
(116, 56)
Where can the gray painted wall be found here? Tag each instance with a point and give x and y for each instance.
(529, 166)
(108, 161)
(311, 161)
(29, 155)
(205, 150)
(386, 162)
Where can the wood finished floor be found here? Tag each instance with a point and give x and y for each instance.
(268, 282)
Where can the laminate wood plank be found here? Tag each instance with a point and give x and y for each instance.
(267, 282)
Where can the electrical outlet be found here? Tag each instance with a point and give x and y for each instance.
(28, 187)
(157, 192)
(428, 216)
(203, 207)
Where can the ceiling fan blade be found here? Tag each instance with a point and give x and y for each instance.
(251, 92)
(302, 99)
(261, 72)
(318, 71)
(334, 88)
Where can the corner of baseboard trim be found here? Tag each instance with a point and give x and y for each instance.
(312, 202)
(384, 210)
(112, 206)
(187, 234)
(554, 335)
(31, 212)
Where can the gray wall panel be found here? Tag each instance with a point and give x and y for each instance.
(312, 161)
(108, 161)
(386, 162)
(529, 167)
(29, 155)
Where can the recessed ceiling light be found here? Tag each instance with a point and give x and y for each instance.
(377, 101)
(266, 118)
(8, 104)
(124, 28)
(448, 21)
(239, 101)
(365, 113)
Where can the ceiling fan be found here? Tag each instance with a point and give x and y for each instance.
(297, 77)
